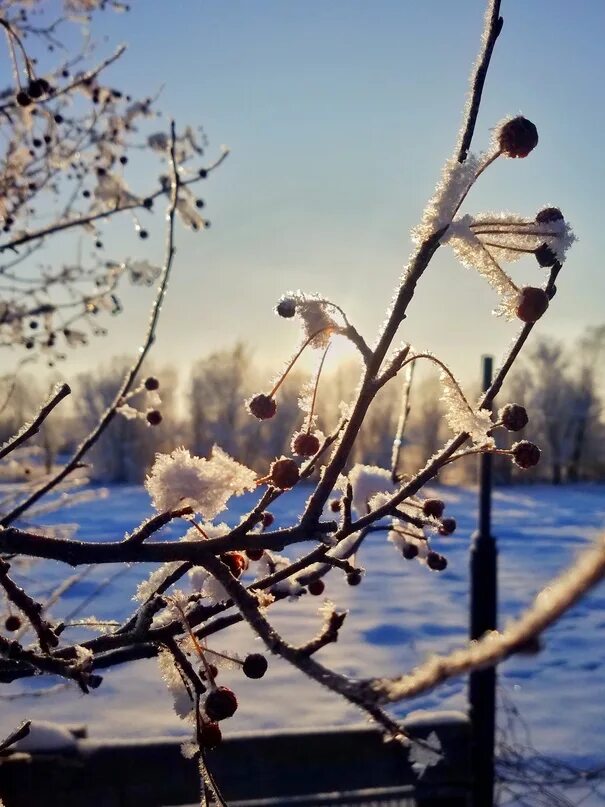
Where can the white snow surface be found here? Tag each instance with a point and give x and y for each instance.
(401, 612)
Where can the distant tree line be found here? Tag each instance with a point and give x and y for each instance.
(562, 388)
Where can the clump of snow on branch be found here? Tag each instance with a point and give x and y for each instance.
(368, 481)
(180, 479)
(461, 416)
(318, 317)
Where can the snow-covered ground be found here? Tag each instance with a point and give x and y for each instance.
(400, 613)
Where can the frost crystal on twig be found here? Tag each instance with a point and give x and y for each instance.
(319, 317)
(461, 416)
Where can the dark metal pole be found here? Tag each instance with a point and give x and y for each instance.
(483, 617)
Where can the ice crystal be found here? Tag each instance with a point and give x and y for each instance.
(180, 479)
(473, 254)
(182, 698)
(461, 416)
(319, 317)
(456, 179)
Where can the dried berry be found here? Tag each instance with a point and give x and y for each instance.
(12, 623)
(433, 507)
(517, 137)
(335, 505)
(255, 665)
(284, 474)
(305, 444)
(354, 577)
(317, 588)
(220, 704)
(154, 417)
(409, 551)
(549, 214)
(262, 406)
(23, 98)
(151, 383)
(211, 672)
(533, 303)
(447, 526)
(513, 417)
(36, 88)
(236, 562)
(525, 454)
(254, 554)
(210, 735)
(545, 256)
(436, 562)
(286, 308)
(267, 519)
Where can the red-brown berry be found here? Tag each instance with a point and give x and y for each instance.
(151, 383)
(317, 588)
(255, 665)
(284, 474)
(236, 562)
(262, 406)
(447, 526)
(12, 623)
(286, 308)
(220, 704)
(533, 303)
(525, 454)
(211, 672)
(267, 519)
(254, 554)
(305, 444)
(436, 562)
(433, 507)
(154, 417)
(335, 505)
(210, 735)
(513, 417)
(549, 214)
(409, 551)
(517, 137)
(545, 256)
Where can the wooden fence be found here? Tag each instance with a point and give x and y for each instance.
(338, 766)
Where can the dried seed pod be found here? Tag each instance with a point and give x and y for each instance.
(525, 454)
(262, 406)
(513, 417)
(517, 137)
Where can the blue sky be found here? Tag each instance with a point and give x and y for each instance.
(339, 116)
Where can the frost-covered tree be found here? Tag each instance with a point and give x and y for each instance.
(214, 574)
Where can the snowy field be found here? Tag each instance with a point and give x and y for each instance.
(400, 613)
